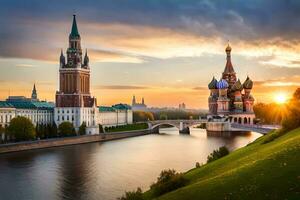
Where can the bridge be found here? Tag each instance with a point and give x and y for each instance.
(182, 125)
(263, 129)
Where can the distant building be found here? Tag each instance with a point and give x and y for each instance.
(138, 106)
(182, 106)
(39, 112)
(231, 98)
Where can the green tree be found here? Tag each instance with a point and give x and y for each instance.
(82, 128)
(66, 129)
(216, 154)
(21, 128)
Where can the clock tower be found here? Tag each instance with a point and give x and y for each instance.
(73, 99)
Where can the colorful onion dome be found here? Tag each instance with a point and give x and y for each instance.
(213, 84)
(248, 84)
(237, 86)
(222, 84)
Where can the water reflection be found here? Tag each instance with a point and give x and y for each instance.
(106, 170)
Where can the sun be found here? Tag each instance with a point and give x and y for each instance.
(280, 98)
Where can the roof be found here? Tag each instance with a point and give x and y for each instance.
(41, 105)
(74, 31)
(106, 109)
(121, 106)
(4, 104)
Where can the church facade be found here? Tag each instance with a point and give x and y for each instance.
(229, 97)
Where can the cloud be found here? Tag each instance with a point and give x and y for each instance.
(24, 65)
(200, 88)
(113, 56)
(121, 87)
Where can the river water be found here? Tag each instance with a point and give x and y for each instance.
(105, 170)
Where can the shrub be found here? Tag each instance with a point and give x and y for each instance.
(82, 129)
(134, 195)
(21, 128)
(168, 180)
(198, 165)
(216, 154)
(66, 129)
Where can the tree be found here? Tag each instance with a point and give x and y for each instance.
(2, 131)
(21, 128)
(141, 116)
(292, 119)
(66, 129)
(82, 128)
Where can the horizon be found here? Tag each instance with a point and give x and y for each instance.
(168, 57)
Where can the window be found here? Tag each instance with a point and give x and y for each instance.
(63, 118)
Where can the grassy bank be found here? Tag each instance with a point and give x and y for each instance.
(128, 127)
(266, 169)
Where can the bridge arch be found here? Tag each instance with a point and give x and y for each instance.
(164, 123)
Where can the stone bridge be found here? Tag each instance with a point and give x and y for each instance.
(182, 125)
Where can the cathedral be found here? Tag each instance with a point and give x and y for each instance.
(230, 97)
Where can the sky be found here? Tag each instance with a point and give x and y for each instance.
(166, 51)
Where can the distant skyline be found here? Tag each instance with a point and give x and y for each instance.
(165, 51)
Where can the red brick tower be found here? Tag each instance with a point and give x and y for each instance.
(74, 75)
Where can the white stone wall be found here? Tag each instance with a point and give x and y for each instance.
(6, 115)
(78, 115)
(36, 116)
(114, 118)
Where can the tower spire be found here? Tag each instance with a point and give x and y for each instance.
(74, 30)
(34, 93)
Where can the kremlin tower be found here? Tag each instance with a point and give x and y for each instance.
(73, 100)
(229, 97)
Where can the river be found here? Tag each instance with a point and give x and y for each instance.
(105, 170)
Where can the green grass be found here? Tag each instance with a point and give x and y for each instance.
(128, 127)
(268, 168)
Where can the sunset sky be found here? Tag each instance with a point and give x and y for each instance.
(165, 51)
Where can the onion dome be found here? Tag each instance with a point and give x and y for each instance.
(237, 86)
(228, 48)
(222, 84)
(213, 84)
(248, 84)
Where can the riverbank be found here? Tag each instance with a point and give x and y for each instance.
(264, 169)
(56, 142)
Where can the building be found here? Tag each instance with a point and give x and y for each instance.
(119, 114)
(231, 98)
(39, 112)
(182, 106)
(138, 106)
(74, 102)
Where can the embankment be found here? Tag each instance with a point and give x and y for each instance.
(56, 142)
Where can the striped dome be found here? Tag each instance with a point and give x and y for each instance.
(222, 84)
(213, 84)
(237, 86)
(248, 84)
